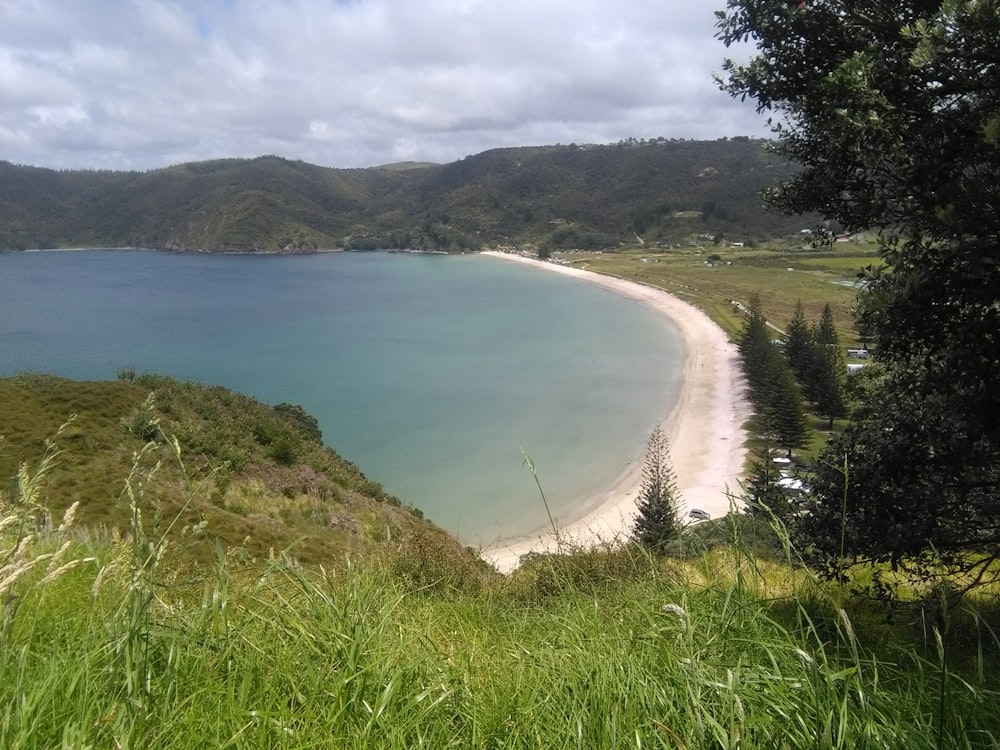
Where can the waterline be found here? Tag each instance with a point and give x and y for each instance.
(432, 373)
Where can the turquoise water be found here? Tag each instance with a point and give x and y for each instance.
(430, 372)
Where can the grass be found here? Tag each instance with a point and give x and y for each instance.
(742, 272)
(264, 480)
(781, 276)
(600, 649)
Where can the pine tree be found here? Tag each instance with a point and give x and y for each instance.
(755, 346)
(825, 384)
(828, 384)
(783, 407)
(658, 522)
(762, 493)
(826, 331)
(799, 344)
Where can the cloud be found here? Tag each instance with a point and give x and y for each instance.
(146, 83)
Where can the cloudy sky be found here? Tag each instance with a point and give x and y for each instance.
(139, 84)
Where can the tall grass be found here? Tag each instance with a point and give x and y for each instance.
(610, 648)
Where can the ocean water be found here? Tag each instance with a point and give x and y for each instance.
(434, 374)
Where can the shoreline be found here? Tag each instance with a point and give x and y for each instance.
(704, 428)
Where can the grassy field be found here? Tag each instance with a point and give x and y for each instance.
(106, 645)
(781, 277)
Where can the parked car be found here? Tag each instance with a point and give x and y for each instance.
(698, 514)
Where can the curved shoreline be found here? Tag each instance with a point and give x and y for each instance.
(704, 428)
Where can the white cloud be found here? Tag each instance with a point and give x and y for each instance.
(145, 83)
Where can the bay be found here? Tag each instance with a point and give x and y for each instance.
(436, 375)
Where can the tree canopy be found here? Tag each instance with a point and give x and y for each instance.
(892, 110)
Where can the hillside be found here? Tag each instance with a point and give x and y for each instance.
(587, 197)
(252, 589)
(251, 477)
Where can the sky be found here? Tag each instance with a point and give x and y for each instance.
(143, 84)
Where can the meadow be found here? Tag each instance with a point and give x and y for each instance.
(713, 278)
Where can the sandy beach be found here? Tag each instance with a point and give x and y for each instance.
(704, 428)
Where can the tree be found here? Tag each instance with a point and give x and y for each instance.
(755, 345)
(826, 330)
(763, 494)
(780, 404)
(827, 386)
(799, 344)
(941, 518)
(892, 111)
(827, 369)
(775, 395)
(658, 522)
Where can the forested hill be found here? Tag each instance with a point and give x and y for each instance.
(661, 191)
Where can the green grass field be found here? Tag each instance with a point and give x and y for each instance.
(815, 279)
(106, 645)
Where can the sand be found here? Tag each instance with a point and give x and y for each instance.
(704, 429)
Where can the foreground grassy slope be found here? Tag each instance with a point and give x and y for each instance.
(600, 650)
(169, 630)
(255, 477)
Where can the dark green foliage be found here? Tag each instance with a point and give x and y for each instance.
(307, 424)
(826, 331)
(814, 355)
(893, 112)
(755, 346)
(765, 498)
(826, 370)
(920, 494)
(799, 344)
(560, 197)
(658, 522)
(827, 383)
(773, 390)
(780, 403)
(283, 451)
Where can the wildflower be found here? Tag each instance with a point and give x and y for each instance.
(806, 658)
(676, 610)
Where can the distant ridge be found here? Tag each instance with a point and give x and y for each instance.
(658, 192)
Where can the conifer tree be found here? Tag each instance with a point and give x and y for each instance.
(800, 347)
(825, 385)
(782, 406)
(762, 492)
(891, 112)
(826, 331)
(658, 522)
(755, 346)
(828, 384)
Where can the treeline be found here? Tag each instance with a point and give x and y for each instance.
(806, 365)
(590, 197)
(802, 372)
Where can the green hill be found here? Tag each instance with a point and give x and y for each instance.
(244, 587)
(587, 197)
(249, 477)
